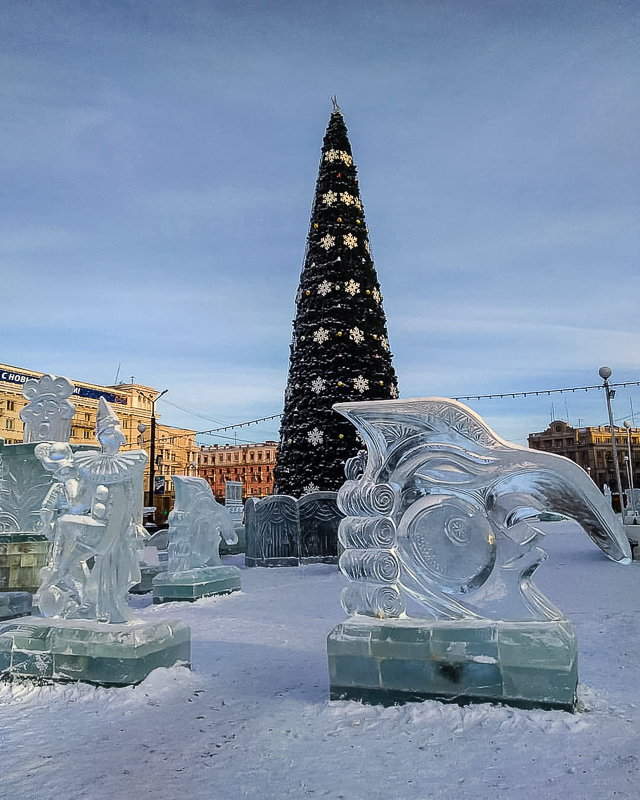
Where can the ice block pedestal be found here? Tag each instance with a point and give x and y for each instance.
(90, 651)
(15, 604)
(193, 584)
(524, 664)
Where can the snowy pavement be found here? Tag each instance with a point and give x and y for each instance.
(252, 719)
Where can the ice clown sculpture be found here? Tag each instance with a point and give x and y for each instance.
(91, 513)
(196, 525)
(441, 516)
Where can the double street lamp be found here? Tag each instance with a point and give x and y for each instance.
(605, 374)
(152, 455)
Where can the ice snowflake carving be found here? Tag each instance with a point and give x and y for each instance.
(357, 335)
(361, 384)
(318, 385)
(321, 335)
(350, 240)
(346, 198)
(327, 241)
(311, 487)
(315, 437)
(376, 296)
(329, 198)
(324, 288)
(352, 288)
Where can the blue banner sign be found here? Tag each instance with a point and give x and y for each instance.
(79, 391)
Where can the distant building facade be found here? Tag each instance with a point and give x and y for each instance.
(252, 464)
(176, 450)
(590, 448)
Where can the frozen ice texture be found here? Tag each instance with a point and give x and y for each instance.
(440, 509)
(48, 414)
(91, 514)
(195, 526)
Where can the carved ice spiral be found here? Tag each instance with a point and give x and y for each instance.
(372, 565)
(373, 600)
(357, 498)
(363, 532)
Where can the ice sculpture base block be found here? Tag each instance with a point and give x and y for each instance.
(90, 651)
(193, 584)
(15, 604)
(523, 664)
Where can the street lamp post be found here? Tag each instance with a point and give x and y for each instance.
(627, 425)
(152, 459)
(605, 374)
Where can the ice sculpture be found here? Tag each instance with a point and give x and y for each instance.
(91, 515)
(282, 531)
(48, 414)
(194, 568)
(441, 514)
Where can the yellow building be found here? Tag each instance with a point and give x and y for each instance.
(176, 451)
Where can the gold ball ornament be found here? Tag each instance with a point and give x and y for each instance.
(339, 333)
(339, 219)
(341, 436)
(340, 383)
(307, 293)
(381, 383)
(368, 291)
(315, 225)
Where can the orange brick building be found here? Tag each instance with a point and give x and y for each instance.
(252, 464)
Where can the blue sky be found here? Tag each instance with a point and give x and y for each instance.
(159, 162)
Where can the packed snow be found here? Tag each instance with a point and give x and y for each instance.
(252, 718)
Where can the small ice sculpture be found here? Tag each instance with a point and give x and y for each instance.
(194, 568)
(48, 414)
(443, 513)
(90, 513)
(195, 526)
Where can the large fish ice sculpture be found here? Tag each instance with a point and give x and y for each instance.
(442, 510)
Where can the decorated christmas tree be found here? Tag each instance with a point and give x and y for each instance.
(339, 349)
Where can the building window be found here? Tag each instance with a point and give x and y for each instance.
(8, 424)
(11, 405)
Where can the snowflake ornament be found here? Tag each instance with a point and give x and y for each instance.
(332, 155)
(321, 335)
(350, 241)
(393, 391)
(329, 198)
(315, 437)
(324, 288)
(384, 342)
(311, 487)
(318, 385)
(327, 241)
(357, 203)
(367, 246)
(346, 198)
(357, 335)
(346, 158)
(376, 296)
(352, 288)
(361, 384)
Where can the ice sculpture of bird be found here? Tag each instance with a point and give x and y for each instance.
(463, 506)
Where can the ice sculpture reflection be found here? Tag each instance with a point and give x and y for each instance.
(442, 509)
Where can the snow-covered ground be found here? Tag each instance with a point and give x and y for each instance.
(252, 719)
